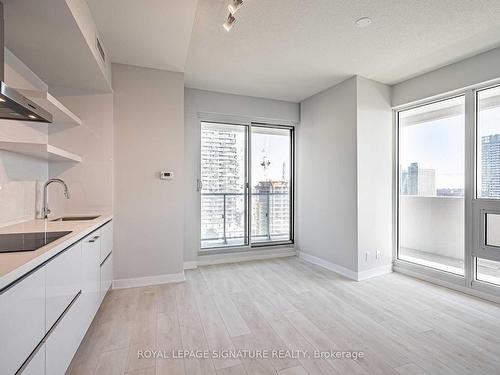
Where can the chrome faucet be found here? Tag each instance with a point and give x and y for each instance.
(45, 208)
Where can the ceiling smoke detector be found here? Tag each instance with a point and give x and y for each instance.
(363, 22)
(234, 5)
(229, 23)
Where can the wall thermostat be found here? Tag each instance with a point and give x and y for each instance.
(166, 175)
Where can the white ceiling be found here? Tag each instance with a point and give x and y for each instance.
(295, 48)
(150, 33)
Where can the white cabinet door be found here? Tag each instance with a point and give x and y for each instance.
(22, 320)
(36, 365)
(63, 282)
(107, 239)
(106, 275)
(91, 275)
(63, 341)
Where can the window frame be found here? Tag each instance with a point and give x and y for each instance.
(473, 204)
(249, 123)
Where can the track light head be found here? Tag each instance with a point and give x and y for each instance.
(229, 23)
(234, 5)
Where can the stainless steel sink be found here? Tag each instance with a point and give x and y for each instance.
(75, 218)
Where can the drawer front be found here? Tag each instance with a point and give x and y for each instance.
(91, 275)
(63, 341)
(36, 365)
(63, 282)
(22, 320)
(106, 275)
(106, 240)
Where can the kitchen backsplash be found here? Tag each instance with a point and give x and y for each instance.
(20, 181)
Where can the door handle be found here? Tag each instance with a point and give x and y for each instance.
(199, 185)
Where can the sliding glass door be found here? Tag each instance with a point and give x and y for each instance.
(431, 185)
(487, 202)
(271, 184)
(246, 185)
(448, 197)
(224, 203)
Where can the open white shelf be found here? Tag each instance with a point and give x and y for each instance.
(60, 113)
(40, 151)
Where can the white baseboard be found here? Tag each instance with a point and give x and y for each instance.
(148, 280)
(350, 274)
(191, 265)
(329, 266)
(374, 272)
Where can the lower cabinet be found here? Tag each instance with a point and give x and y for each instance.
(22, 320)
(36, 365)
(106, 275)
(63, 282)
(62, 343)
(91, 280)
(51, 308)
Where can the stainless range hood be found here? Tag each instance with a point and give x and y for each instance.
(13, 104)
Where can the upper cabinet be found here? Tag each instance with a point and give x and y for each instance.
(64, 33)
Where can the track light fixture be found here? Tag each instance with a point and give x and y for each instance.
(234, 5)
(229, 23)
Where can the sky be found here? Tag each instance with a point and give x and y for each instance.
(276, 150)
(440, 144)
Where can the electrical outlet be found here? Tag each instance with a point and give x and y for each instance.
(379, 254)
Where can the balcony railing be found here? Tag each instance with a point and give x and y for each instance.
(223, 221)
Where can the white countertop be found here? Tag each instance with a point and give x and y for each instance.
(15, 265)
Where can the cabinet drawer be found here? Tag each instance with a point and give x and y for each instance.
(36, 365)
(106, 240)
(22, 320)
(91, 275)
(63, 282)
(106, 275)
(63, 341)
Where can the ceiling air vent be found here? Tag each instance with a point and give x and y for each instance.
(100, 49)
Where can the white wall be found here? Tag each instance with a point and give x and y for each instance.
(20, 176)
(344, 171)
(227, 105)
(327, 175)
(148, 137)
(90, 181)
(374, 157)
(474, 70)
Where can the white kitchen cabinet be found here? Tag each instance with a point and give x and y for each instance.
(63, 341)
(106, 275)
(63, 282)
(106, 240)
(36, 365)
(91, 275)
(22, 320)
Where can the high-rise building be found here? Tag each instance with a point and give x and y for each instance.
(222, 180)
(271, 209)
(490, 166)
(418, 181)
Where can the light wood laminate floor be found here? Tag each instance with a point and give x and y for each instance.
(402, 325)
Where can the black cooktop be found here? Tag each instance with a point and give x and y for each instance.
(14, 242)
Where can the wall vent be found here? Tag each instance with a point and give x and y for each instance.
(100, 49)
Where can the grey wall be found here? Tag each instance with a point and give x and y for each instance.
(219, 104)
(327, 175)
(474, 70)
(148, 137)
(374, 158)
